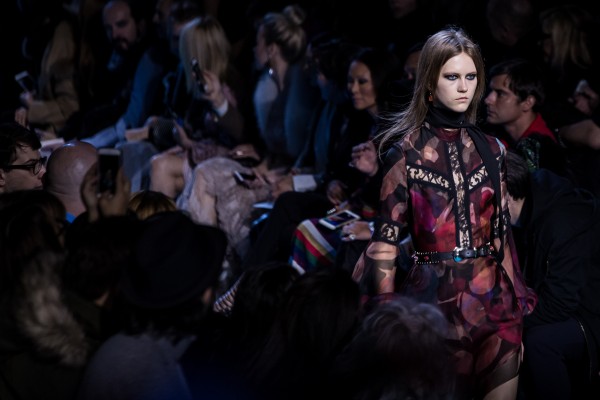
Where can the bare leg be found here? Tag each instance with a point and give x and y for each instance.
(506, 391)
(166, 174)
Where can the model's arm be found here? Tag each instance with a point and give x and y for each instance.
(376, 268)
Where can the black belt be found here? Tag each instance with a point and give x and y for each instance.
(458, 254)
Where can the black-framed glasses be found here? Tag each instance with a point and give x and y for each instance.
(35, 167)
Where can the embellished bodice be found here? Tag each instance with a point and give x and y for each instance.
(441, 190)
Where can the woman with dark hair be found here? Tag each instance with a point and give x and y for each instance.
(444, 184)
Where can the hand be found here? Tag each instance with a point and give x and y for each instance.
(45, 135)
(104, 204)
(357, 230)
(21, 117)
(585, 99)
(116, 204)
(364, 158)
(213, 90)
(282, 185)
(26, 98)
(336, 192)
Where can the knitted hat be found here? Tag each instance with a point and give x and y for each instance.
(175, 260)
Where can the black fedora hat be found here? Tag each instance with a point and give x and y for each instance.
(175, 260)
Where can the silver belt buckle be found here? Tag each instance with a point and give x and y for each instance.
(456, 253)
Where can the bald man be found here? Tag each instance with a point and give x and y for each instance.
(66, 167)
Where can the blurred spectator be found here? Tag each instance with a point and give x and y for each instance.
(146, 203)
(65, 170)
(167, 291)
(559, 228)
(21, 164)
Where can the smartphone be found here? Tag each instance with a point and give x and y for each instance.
(242, 178)
(339, 219)
(199, 76)
(25, 81)
(109, 162)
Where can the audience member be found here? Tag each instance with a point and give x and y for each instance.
(21, 164)
(320, 315)
(146, 203)
(516, 95)
(399, 352)
(314, 245)
(244, 351)
(168, 290)
(155, 63)
(42, 347)
(559, 227)
(125, 24)
(284, 100)
(513, 30)
(213, 122)
(65, 170)
(52, 46)
(345, 181)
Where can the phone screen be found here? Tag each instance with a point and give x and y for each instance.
(108, 166)
(25, 81)
(335, 221)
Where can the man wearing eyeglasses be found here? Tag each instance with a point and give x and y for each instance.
(21, 164)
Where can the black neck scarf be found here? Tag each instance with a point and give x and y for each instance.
(445, 118)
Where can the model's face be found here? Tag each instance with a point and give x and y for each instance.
(360, 86)
(261, 56)
(503, 106)
(23, 179)
(120, 27)
(457, 83)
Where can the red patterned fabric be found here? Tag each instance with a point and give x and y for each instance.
(437, 186)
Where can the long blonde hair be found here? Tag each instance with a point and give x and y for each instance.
(439, 48)
(204, 39)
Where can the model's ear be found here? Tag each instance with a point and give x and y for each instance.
(528, 103)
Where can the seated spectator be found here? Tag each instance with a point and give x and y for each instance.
(516, 96)
(284, 101)
(212, 123)
(167, 293)
(43, 348)
(65, 170)
(157, 61)
(399, 352)
(21, 164)
(558, 226)
(349, 178)
(244, 351)
(53, 48)
(146, 203)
